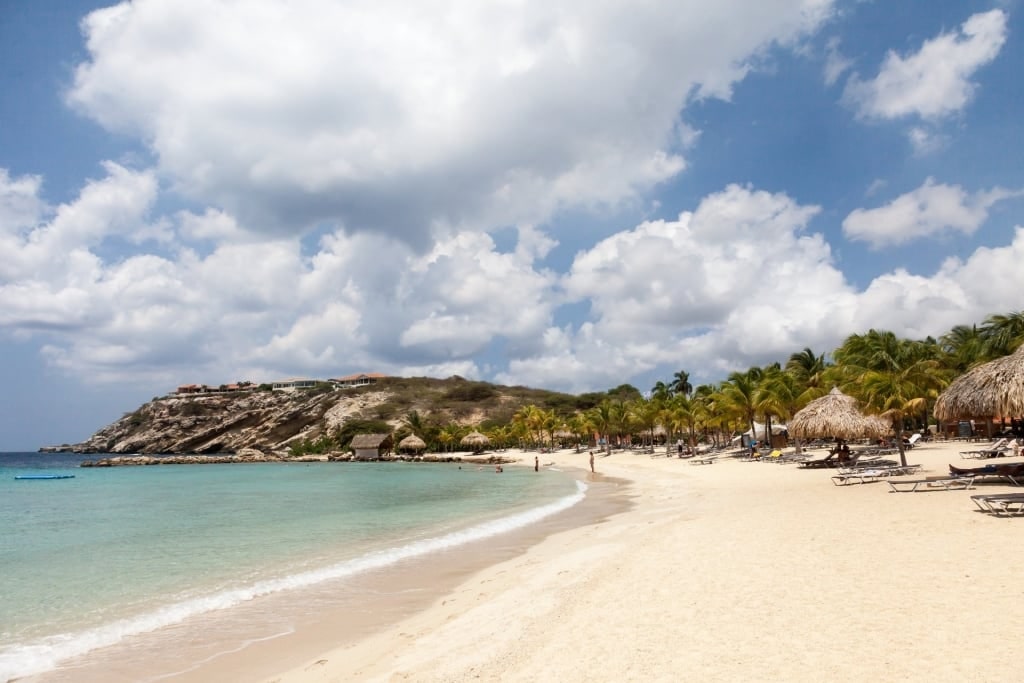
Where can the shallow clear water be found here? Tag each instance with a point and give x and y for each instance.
(115, 552)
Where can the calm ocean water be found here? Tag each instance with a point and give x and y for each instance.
(111, 553)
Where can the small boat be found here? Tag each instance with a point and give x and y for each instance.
(44, 476)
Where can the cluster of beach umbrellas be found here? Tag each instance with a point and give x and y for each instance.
(474, 440)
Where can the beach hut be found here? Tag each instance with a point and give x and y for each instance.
(412, 443)
(476, 441)
(371, 446)
(993, 389)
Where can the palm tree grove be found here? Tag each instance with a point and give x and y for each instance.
(894, 378)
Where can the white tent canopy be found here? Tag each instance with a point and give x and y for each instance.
(760, 432)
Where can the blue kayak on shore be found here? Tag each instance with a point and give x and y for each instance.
(44, 476)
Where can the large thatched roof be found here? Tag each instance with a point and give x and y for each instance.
(412, 443)
(995, 389)
(361, 441)
(835, 414)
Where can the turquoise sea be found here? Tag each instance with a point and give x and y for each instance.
(115, 553)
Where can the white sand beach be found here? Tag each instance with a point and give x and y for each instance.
(730, 571)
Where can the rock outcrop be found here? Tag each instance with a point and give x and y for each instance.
(265, 421)
(259, 424)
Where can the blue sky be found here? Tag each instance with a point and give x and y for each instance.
(570, 196)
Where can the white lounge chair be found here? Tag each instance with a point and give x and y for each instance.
(931, 484)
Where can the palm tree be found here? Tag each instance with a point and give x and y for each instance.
(532, 419)
(963, 347)
(684, 412)
(549, 423)
(644, 414)
(415, 423)
(581, 428)
(774, 396)
(1003, 334)
(809, 369)
(622, 421)
(891, 376)
(740, 394)
(661, 390)
(602, 416)
(449, 435)
(681, 383)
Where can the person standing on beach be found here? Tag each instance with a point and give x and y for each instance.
(536, 464)
(591, 461)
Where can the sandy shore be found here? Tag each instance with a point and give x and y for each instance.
(731, 571)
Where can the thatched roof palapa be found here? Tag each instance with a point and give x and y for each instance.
(412, 443)
(475, 440)
(994, 389)
(835, 414)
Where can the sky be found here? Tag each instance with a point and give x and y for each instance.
(569, 195)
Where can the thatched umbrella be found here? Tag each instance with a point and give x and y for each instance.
(412, 443)
(476, 441)
(994, 389)
(835, 414)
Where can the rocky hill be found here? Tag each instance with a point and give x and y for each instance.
(270, 421)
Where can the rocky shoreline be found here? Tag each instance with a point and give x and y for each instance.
(253, 455)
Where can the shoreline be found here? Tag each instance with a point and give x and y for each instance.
(740, 570)
(251, 638)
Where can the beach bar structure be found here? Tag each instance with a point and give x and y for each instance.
(371, 446)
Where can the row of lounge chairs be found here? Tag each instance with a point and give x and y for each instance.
(999, 449)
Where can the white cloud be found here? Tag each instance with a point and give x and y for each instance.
(408, 119)
(755, 295)
(936, 80)
(115, 206)
(962, 291)
(925, 141)
(258, 305)
(735, 281)
(740, 280)
(20, 205)
(835, 63)
(929, 210)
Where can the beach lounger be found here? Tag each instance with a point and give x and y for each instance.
(1000, 504)
(998, 449)
(931, 484)
(886, 468)
(704, 460)
(1011, 472)
(863, 476)
(812, 463)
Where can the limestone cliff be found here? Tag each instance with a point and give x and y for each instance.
(229, 422)
(271, 421)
